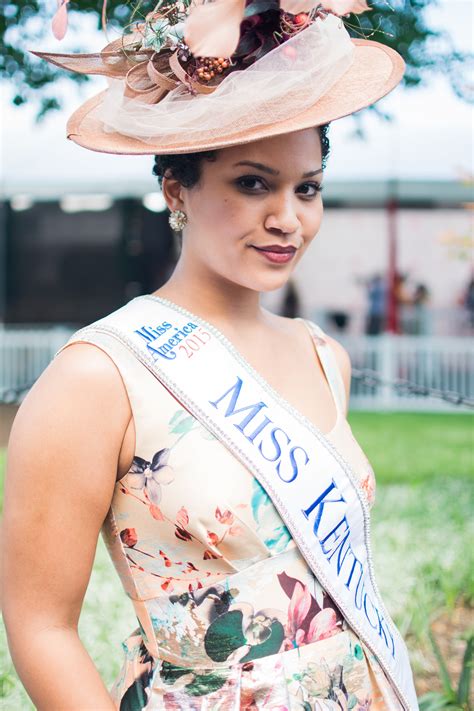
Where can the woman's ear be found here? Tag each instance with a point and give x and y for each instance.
(173, 193)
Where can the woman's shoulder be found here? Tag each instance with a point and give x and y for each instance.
(78, 407)
(80, 363)
(82, 375)
(92, 355)
(81, 387)
(341, 355)
(339, 358)
(321, 339)
(339, 362)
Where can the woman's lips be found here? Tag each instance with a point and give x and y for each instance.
(277, 254)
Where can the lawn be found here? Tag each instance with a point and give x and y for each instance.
(422, 526)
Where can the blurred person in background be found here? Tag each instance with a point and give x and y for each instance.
(420, 301)
(403, 302)
(291, 307)
(467, 302)
(377, 305)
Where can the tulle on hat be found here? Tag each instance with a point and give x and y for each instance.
(169, 101)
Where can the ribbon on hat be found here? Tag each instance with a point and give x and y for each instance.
(145, 82)
(148, 75)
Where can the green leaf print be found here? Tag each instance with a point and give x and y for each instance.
(206, 684)
(200, 685)
(270, 646)
(135, 698)
(181, 423)
(224, 636)
(269, 523)
(358, 653)
(177, 415)
(171, 672)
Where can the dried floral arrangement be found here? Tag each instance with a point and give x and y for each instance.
(197, 43)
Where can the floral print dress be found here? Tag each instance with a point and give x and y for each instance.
(229, 614)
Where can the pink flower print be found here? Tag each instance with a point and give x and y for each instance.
(212, 538)
(208, 554)
(151, 476)
(182, 520)
(344, 7)
(182, 534)
(225, 517)
(367, 484)
(323, 625)
(298, 608)
(182, 517)
(166, 560)
(129, 537)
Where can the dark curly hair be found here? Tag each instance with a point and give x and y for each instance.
(186, 167)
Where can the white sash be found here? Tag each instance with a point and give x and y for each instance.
(312, 487)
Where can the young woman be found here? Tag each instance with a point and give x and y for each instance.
(208, 439)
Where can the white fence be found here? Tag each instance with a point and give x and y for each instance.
(24, 354)
(445, 363)
(442, 363)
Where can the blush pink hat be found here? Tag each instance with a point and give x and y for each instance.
(156, 104)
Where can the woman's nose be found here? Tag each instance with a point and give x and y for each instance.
(283, 216)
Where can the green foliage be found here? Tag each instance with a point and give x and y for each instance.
(24, 24)
(405, 29)
(450, 697)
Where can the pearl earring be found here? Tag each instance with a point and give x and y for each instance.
(177, 219)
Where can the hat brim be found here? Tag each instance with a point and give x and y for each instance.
(375, 71)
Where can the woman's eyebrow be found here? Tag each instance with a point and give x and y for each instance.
(272, 171)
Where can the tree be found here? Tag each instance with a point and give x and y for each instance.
(405, 27)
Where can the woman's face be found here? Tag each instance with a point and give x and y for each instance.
(255, 210)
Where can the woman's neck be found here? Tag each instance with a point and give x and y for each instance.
(216, 300)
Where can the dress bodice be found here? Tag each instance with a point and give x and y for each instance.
(219, 587)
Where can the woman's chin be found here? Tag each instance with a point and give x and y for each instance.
(271, 282)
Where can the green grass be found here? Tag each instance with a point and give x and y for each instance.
(422, 531)
(412, 448)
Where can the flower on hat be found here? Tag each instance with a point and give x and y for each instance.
(194, 44)
(212, 29)
(59, 22)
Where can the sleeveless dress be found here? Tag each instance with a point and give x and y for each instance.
(230, 616)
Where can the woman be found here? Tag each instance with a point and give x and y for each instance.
(206, 436)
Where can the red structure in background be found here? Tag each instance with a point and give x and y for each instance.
(392, 321)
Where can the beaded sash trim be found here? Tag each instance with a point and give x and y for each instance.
(310, 484)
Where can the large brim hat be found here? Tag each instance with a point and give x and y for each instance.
(154, 104)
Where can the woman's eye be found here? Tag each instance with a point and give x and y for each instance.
(250, 182)
(311, 189)
(253, 184)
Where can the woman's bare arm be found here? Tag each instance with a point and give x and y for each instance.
(61, 470)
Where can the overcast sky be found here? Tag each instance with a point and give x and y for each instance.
(431, 135)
